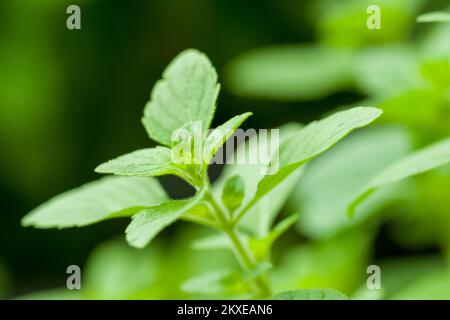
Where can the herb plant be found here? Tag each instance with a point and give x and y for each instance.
(186, 95)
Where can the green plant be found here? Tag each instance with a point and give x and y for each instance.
(184, 97)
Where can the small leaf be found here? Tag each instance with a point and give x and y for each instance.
(187, 92)
(219, 135)
(233, 193)
(438, 16)
(146, 162)
(418, 162)
(311, 294)
(106, 198)
(147, 223)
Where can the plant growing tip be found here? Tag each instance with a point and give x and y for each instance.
(185, 96)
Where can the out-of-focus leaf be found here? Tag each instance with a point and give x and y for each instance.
(418, 162)
(432, 287)
(387, 70)
(398, 274)
(116, 271)
(311, 294)
(344, 23)
(422, 109)
(290, 72)
(223, 281)
(186, 93)
(425, 222)
(106, 198)
(436, 45)
(337, 263)
(437, 16)
(147, 223)
(331, 180)
(146, 162)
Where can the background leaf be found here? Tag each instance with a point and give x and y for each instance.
(290, 72)
(332, 179)
(310, 294)
(437, 16)
(233, 193)
(418, 162)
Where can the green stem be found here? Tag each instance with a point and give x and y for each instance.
(244, 256)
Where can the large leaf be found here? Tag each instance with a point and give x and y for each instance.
(331, 180)
(418, 162)
(109, 197)
(311, 141)
(186, 93)
(146, 162)
(149, 222)
(311, 294)
(291, 72)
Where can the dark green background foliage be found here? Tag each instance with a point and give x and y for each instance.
(69, 100)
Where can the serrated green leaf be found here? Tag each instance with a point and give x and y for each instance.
(438, 16)
(186, 93)
(311, 294)
(311, 141)
(146, 224)
(219, 135)
(332, 179)
(431, 157)
(233, 193)
(146, 162)
(106, 198)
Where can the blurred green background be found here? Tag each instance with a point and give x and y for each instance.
(70, 100)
